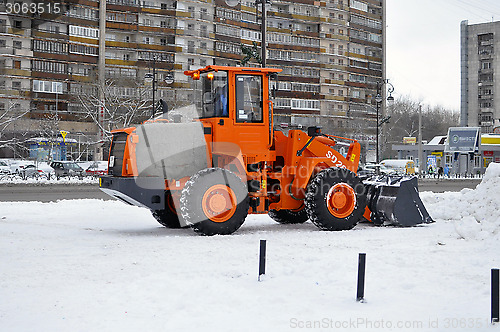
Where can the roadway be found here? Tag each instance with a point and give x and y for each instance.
(52, 193)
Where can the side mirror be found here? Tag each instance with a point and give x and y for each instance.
(274, 89)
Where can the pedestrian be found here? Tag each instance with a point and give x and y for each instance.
(440, 171)
(446, 171)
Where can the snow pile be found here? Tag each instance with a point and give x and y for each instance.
(474, 211)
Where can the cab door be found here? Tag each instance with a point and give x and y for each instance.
(251, 114)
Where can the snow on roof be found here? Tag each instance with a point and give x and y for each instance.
(438, 140)
(45, 139)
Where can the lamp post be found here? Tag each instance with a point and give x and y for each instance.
(378, 100)
(153, 78)
(263, 3)
(263, 29)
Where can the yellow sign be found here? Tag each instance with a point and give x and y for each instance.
(440, 154)
(63, 134)
(490, 139)
(409, 140)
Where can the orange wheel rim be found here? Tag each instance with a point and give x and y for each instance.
(341, 200)
(219, 203)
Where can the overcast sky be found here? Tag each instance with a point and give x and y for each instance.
(423, 46)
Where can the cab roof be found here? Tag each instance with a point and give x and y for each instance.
(227, 68)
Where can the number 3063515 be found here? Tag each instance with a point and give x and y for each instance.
(33, 7)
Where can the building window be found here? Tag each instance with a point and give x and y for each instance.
(83, 32)
(203, 13)
(18, 24)
(486, 65)
(18, 44)
(16, 85)
(3, 43)
(16, 64)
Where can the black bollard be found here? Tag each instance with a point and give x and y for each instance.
(495, 290)
(361, 277)
(262, 258)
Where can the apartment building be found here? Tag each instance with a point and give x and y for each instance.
(331, 53)
(480, 70)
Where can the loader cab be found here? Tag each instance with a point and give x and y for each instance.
(235, 103)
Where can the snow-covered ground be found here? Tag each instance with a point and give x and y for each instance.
(92, 265)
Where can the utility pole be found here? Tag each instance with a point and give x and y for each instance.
(262, 30)
(420, 161)
(101, 79)
(263, 33)
(154, 86)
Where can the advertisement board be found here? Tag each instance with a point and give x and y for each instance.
(463, 139)
(409, 140)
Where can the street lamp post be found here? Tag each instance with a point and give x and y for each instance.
(153, 77)
(233, 3)
(263, 30)
(378, 100)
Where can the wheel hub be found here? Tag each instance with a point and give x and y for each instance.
(219, 203)
(341, 200)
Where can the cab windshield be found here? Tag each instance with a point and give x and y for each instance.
(214, 95)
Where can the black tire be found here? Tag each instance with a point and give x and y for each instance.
(167, 217)
(320, 198)
(289, 216)
(214, 201)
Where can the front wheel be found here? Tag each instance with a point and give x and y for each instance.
(335, 199)
(214, 201)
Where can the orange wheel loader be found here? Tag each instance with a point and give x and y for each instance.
(223, 160)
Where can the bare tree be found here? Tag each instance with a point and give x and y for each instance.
(404, 122)
(123, 105)
(8, 118)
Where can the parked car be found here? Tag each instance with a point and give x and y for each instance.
(371, 169)
(16, 165)
(97, 168)
(67, 168)
(4, 167)
(30, 171)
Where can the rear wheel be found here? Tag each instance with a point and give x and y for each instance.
(335, 199)
(214, 201)
(167, 217)
(297, 216)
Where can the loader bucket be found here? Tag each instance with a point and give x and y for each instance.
(396, 201)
